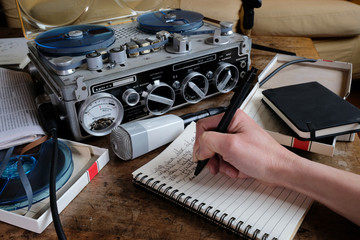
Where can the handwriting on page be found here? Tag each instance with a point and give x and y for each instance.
(179, 167)
(243, 205)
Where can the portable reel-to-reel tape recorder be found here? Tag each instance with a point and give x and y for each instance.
(100, 76)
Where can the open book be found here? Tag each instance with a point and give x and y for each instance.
(19, 121)
(244, 206)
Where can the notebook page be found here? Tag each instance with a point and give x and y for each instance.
(263, 115)
(244, 204)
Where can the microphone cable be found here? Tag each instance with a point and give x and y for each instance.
(53, 204)
(283, 66)
(48, 118)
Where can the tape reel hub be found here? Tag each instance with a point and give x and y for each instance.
(75, 34)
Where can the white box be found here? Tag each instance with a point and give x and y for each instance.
(88, 161)
(336, 76)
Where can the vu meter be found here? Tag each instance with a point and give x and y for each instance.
(100, 113)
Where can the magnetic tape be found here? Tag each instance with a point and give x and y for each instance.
(99, 77)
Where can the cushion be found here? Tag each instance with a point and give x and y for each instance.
(309, 18)
(219, 10)
(345, 49)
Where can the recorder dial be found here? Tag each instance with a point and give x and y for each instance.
(100, 113)
(226, 77)
(131, 97)
(194, 87)
(159, 97)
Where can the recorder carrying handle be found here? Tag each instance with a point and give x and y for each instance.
(247, 23)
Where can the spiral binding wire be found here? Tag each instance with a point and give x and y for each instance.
(190, 205)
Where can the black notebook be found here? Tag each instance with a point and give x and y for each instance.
(313, 111)
(243, 206)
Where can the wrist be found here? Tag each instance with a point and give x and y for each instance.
(286, 173)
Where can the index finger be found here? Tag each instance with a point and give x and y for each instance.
(203, 125)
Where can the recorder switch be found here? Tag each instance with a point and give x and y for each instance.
(159, 97)
(226, 77)
(131, 97)
(194, 87)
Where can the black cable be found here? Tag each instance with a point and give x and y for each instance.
(53, 204)
(283, 66)
(270, 49)
(48, 118)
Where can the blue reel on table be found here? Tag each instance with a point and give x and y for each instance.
(35, 176)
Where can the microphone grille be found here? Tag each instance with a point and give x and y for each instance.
(121, 143)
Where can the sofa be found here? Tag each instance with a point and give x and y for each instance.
(333, 25)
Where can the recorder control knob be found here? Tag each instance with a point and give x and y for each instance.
(159, 97)
(194, 87)
(131, 97)
(226, 77)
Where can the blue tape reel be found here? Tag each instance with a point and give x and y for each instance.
(173, 21)
(75, 40)
(37, 169)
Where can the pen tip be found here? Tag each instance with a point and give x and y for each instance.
(200, 166)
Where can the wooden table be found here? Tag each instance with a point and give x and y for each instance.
(111, 207)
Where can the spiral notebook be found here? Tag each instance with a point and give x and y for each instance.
(243, 206)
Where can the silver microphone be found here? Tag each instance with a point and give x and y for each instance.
(133, 139)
